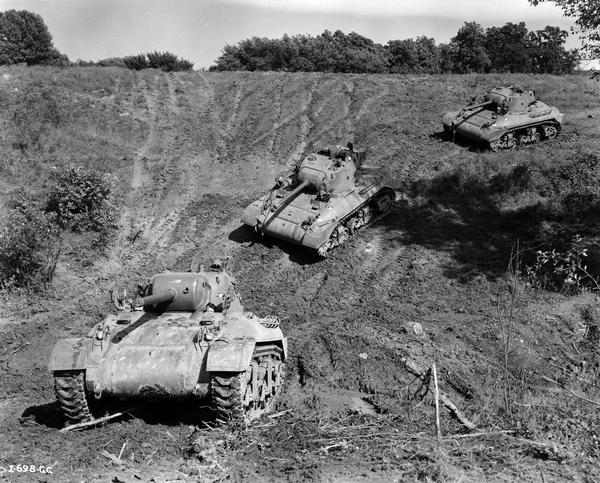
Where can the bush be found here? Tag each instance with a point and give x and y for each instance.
(81, 201)
(35, 110)
(136, 62)
(168, 62)
(564, 270)
(29, 245)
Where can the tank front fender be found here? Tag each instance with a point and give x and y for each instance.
(68, 354)
(230, 355)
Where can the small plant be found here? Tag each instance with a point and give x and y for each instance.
(30, 244)
(564, 271)
(81, 201)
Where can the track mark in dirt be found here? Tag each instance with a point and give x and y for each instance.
(309, 289)
(370, 102)
(276, 124)
(347, 104)
(305, 124)
(229, 126)
(138, 178)
(173, 105)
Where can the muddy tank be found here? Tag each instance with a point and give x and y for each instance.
(323, 201)
(186, 337)
(508, 117)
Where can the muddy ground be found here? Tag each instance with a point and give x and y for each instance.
(428, 282)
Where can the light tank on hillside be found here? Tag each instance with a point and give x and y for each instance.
(508, 117)
(186, 336)
(322, 201)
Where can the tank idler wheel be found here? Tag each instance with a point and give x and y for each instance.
(242, 397)
(69, 387)
(383, 204)
(550, 131)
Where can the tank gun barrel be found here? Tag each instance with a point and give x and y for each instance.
(158, 298)
(286, 201)
(478, 105)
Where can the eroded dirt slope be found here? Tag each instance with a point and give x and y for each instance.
(191, 152)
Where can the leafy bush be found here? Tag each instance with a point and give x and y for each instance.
(29, 245)
(111, 62)
(136, 62)
(34, 111)
(168, 62)
(566, 270)
(81, 201)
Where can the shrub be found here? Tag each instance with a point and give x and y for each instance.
(29, 245)
(35, 110)
(564, 270)
(168, 62)
(81, 201)
(136, 62)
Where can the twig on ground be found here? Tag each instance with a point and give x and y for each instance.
(483, 433)
(583, 398)
(94, 422)
(280, 413)
(111, 457)
(19, 348)
(437, 404)
(122, 449)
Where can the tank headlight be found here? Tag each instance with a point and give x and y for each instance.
(208, 336)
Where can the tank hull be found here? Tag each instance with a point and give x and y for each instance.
(159, 356)
(501, 126)
(323, 194)
(289, 224)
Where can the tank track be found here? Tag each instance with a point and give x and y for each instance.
(233, 393)
(69, 387)
(505, 143)
(365, 215)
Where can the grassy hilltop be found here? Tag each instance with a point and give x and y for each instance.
(186, 152)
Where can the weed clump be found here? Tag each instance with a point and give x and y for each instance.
(30, 242)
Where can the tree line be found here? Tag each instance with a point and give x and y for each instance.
(25, 38)
(510, 48)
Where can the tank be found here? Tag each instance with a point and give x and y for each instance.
(322, 201)
(186, 337)
(508, 117)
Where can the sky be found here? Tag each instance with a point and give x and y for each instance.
(198, 30)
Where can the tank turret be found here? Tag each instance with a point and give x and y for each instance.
(323, 200)
(508, 117)
(186, 336)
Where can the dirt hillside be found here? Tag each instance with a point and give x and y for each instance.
(188, 152)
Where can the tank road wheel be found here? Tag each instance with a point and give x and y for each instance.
(340, 235)
(242, 397)
(550, 131)
(69, 387)
(505, 142)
